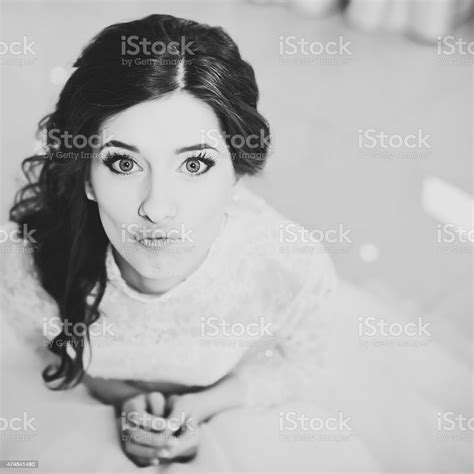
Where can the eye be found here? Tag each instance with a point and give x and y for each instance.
(121, 163)
(197, 165)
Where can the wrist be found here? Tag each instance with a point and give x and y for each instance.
(225, 395)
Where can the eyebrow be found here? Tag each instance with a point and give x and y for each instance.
(119, 144)
(198, 146)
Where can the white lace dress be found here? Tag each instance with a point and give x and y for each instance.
(255, 307)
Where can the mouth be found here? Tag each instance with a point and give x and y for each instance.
(155, 242)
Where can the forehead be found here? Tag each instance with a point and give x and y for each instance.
(169, 122)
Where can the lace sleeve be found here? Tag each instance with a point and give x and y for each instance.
(289, 365)
(29, 315)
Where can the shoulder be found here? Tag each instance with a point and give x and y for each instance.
(24, 302)
(282, 261)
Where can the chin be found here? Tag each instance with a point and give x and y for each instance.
(154, 264)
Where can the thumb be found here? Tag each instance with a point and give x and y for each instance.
(135, 403)
(156, 402)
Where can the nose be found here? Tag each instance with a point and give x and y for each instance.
(160, 203)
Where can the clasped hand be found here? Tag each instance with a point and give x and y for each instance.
(154, 429)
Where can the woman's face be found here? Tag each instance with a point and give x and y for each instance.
(162, 182)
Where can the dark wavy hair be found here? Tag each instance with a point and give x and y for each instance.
(112, 74)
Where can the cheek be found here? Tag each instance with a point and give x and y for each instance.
(115, 200)
(207, 203)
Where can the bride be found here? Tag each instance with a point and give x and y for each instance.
(153, 276)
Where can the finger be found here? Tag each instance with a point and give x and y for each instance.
(131, 412)
(144, 462)
(146, 438)
(155, 406)
(174, 422)
(172, 399)
(149, 422)
(135, 412)
(157, 403)
(141, 454)
(136, 403)
(183, 446)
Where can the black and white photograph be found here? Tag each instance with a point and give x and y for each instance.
(236, 236)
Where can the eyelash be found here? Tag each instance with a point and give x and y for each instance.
(113, 157)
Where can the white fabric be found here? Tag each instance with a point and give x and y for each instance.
(391, 394)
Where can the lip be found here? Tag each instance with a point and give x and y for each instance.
(156, 242)
(155, 234)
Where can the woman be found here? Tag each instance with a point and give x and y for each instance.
(159, 281)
